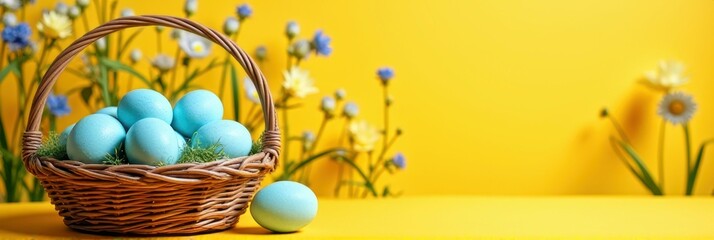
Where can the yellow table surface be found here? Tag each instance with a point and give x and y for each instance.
(443, 217)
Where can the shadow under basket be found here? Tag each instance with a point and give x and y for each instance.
(147, 200)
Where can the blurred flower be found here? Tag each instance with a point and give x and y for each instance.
(389, 100)
(350, 110)
(74, 12)
(261, 53)
(160, 29)
(363, 136)
(127, 12)
(55, 26)
(83, 3)
(244, 11)
(57, 104)
(308, 138)
(61, 8)
(9, 19)
(298, 83)
(677, 108)
(385, 74)
(300, 49)
(12, 5)
(190, 7)
(669, 74)
(230, 26)
(250, 91)
(17, 37)
(194, 46)
(399, 161)
(340, 94)
(328, 105)
(175, 33)
(292, 29)
(163, 62)
(321, 44)
(135, 55)
(101, 44)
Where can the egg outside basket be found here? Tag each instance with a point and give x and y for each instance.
(142, 199)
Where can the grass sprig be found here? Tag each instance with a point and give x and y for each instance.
(199, 154)
(53, 148)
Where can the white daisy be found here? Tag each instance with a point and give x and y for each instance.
(677, 108)
(669, 74)
(193, 45)
(250, 91)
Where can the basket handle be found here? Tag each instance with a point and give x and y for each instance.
(32, 138)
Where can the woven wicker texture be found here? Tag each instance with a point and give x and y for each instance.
(141, 199)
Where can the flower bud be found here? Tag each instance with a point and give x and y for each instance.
(244, 11)
(74, 12)
(61, 8)
(9, 19)
(300, 49)
(175, 34)
(388, 101)
(385, 74)
(160, 29)
(261, 53)
(292, 29)
(399, 131)
(328, 105)
(101, 44)
(340, 94)
(135, 55)
(82, 4)
(308, 138)
(230, 26)
(127, 12)
(350, 110)
(604, 113)
(190, 7)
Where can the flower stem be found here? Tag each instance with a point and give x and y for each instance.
(619, 129)
(687, 141)
(286, 133)
(660, 153)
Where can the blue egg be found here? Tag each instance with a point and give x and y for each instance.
(111, 111)
(234, 138)
(284, 206)
(195, 109)
(94, 137)
(65, 133)
(143, 103)
(181, 141)
(152, 141)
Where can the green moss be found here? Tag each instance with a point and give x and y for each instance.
(198, 154)
(52, 148)
(118, 158)
(257, 146)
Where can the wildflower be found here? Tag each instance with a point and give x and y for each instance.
(57, 104)
(328, 105)
(163, 62)
(399, 161)
(12, 5)
(363, 136)
(250, 91)
(261, 53)
(321, 44)
(74, 12)
(194, 46)
(190, 7)
(292, 29)
(677, 108)
(9, 19)
(350, 110)
(61, 8)
(160, 29)
(308, 138)
(135, 56)
(17, 37)
(340, 94)
(299, 49)
(385, 74)
(127, 12)
(670, 74)
(230, 26)
(244, 11)
(175, 33)
(101, 44)
(55, 26)
(298, 83)
(82, 4)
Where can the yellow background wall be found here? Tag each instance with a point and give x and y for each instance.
(496, 97)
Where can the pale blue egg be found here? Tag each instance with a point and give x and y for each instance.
(284, 206)
(233, 137)
(65, 133)
(143, 103)
(111, 111)
(94, 137)
(152, 141)
(181, 141)
(195, 109)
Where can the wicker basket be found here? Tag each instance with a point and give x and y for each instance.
(142, 199)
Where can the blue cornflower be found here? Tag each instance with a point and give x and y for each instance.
(399, 160)
(58, 105)
(321, 43)
(244, 11)
(18, 36)
(385, 74)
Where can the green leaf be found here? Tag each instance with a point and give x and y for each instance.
(691, 180)
(646, 176)
(86, 94)
(236, 94)
(118, 66)
(3, 135)
(11, 67)
(385, 192)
